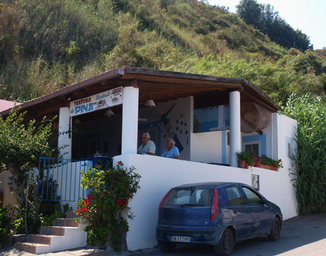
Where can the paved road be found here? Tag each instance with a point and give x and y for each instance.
(300, 236)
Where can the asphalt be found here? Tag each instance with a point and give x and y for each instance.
(300, 236)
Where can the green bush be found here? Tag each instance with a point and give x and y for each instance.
(4, 226)
(110, 191)
(309, 174)
(60, 212)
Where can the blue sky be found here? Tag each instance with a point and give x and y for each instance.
(309, 16)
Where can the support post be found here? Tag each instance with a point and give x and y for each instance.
(129, 120)
(64, 140)
(235, 127)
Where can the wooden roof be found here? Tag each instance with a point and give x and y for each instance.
(162, 85)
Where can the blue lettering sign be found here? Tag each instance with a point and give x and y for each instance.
(84, 108)
(77, 109)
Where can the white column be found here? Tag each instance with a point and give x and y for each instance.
(235, 127)
(129, 120)
(64, 142)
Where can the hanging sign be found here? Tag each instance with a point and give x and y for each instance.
(95, 102)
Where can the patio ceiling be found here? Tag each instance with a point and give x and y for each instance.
(162, 85)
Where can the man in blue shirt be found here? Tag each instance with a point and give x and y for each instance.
(171, 150)
(147, 146)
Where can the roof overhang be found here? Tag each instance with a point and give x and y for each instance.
(162, 85)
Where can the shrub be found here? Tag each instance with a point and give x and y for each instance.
(4, 226)
(110, 191)
(309, 162)
(60, 212)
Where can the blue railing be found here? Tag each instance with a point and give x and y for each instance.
(59, 179)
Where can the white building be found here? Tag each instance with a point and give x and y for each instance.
(206, 115)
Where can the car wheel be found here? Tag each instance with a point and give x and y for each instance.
(226, 245)
(276, 230)
(166, 247)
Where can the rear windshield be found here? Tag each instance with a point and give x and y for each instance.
(190, 196)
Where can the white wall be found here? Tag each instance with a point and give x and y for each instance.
(4, 188)
(285, 128)
(206, 147)
(160, 174)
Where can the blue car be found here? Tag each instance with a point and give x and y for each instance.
(215, 213)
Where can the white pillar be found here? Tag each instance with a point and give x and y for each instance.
(235, 127)
(64, 142)
(129, 120)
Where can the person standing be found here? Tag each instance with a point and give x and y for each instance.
(147, 147)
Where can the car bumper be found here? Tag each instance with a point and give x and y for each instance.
(197, 234)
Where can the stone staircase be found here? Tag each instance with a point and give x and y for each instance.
(64, 234)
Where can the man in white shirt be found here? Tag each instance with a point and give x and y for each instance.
(147, 146)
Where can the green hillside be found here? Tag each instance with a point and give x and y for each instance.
(46, 45)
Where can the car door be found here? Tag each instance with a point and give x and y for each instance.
(241, 212)
(261, 212)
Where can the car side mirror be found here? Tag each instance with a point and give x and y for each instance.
(263, 201)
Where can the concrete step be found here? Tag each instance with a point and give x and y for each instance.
(67, 234)
(31, 247)
(65, 222)
(40, 239)
(52, 230)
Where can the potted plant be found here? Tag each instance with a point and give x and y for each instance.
(245, 158)
(257, 161)
(269, 163)
(277, 164)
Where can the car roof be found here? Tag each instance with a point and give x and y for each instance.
(208, 184)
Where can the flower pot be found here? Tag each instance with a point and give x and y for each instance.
(258, 165)
(274, 168)
(264, 166)
(242, 163)
(246, 165)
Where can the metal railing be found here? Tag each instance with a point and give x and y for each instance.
(59, 179)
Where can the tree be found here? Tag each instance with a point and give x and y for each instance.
(269, 22)
(251, 12)
(21, 145)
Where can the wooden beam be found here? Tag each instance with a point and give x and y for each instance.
(181, 81)
(249, 96)
(137, 83)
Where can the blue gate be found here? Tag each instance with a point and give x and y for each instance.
(59, 179)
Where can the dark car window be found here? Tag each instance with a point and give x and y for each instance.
(191, 196)
(253, 198)
(235, 196)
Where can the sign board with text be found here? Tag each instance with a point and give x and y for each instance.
(95, 102)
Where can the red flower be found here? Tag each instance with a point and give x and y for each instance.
(84, 209)
(86, 202)
(89, 197)
(78, 210)
(120, 163)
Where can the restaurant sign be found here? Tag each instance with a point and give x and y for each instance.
(95, 102)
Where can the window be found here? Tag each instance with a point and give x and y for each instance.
(197, 196)
(235, 196)
(253, 198)
(252, 146)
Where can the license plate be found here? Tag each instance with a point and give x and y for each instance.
(182, 239)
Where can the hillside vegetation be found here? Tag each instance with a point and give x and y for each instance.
(46, 45)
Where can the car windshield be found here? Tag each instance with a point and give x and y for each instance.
(189, 197)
